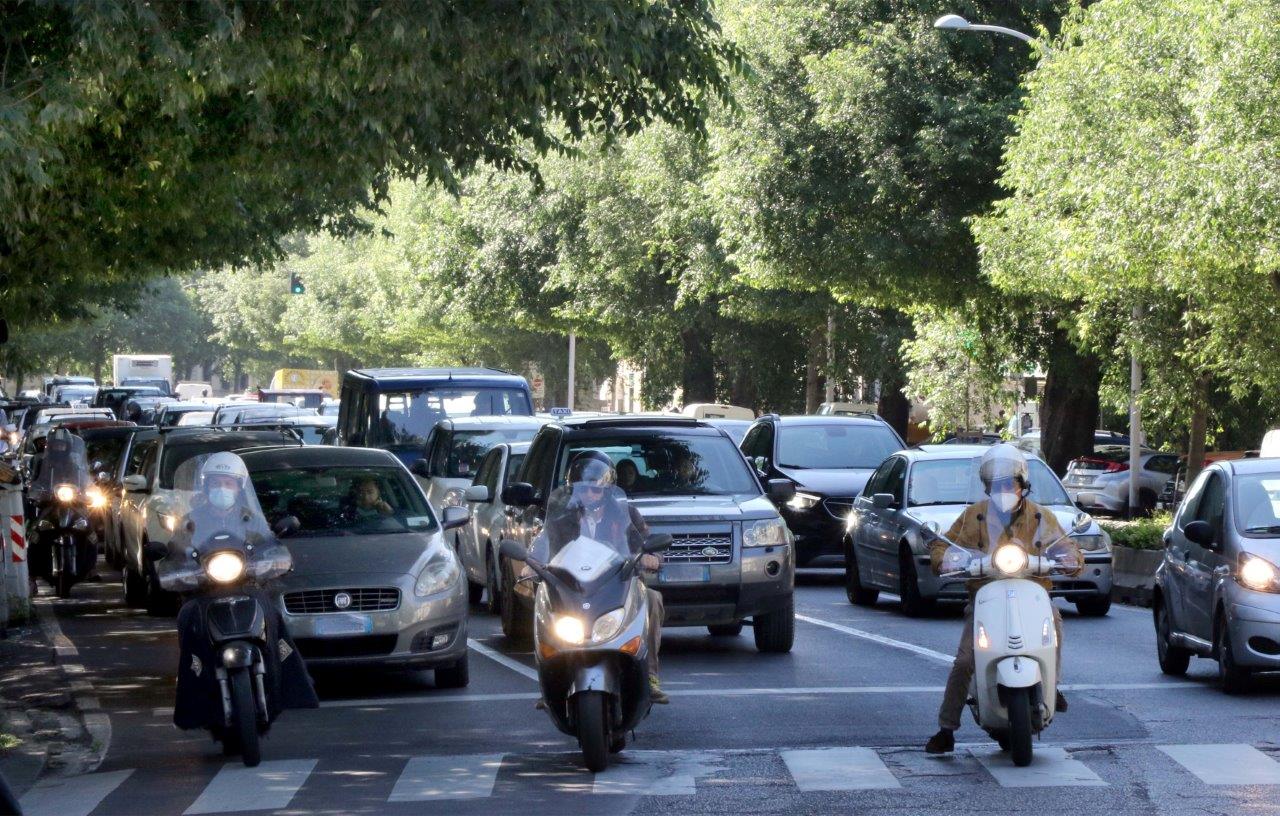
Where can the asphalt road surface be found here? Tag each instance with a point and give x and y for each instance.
(837, 726)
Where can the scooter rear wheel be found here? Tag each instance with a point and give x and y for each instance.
(63, 583)
(593, 729)
(1019, 703)
(244, 717)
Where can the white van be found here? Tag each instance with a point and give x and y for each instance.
(1270, 444)
(712, 410)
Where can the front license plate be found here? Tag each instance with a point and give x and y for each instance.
(684, 574)
(348, 624)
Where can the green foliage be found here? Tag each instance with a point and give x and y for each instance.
(1139, 534)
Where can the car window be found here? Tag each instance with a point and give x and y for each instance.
(540, 463)
(878, 479)
(836, 446)
(1212, 502)
(138, 456)
(896, 481)
(405, 418)
(347, 501)
(175, 455)
(104, 453)
(751, 442)
(670, 464)
(1191, 501)
(956, 481)
(487, 474)
(1257, 504)
(460, 452)
(1163, 464)
(514, 461)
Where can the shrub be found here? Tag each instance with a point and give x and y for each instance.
(1140, 534)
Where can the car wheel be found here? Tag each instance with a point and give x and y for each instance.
(725, 629)
(853, 588)
(1095, 607)
(913, 603)
(1174, 660)
(1234, 677)
(159, 602)
(494, 603)
(776, 631)
(474, 592)
(456, 676)
(517, 622)
(135, 588)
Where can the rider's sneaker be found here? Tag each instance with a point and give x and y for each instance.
(656, 694)
(943, 742)
(1060, 704)
(541, 705)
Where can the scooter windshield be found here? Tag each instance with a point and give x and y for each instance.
(956, 559)
(63, 462)
(1065, 555)
(584, 561)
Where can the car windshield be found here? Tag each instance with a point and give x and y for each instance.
(193, 418)
(405, 418)
(513, 467)
(175, 455)
(461, 458)
(1258, 504)
(836, 446)
(344, 500)
(671, 464)
(955, 481)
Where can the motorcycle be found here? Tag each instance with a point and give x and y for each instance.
(63, 496)
(1015, 678)
(591, 635)
(238, 667)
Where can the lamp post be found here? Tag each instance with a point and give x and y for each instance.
(954, 22)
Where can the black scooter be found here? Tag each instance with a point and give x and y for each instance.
(63, 532)
(591, 634)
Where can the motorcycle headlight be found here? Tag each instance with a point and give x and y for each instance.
(608, 625)
(570, 630)
(169, 521)
(1257, 573)
(439, 574)
(225, 567)
(1010, 559)
(96, 498)
(455, 497)
(803, 501)
(13, 438)
(769, 532)
(65, 493)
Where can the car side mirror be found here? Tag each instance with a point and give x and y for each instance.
(287, 526)
(761, 465)
(476, 493)
(102, 476)
(1079, 505)
(932, 528)
(1200, 532)
(519, 494)
(154, 550)
(97, 465)
(135, 483)
(513, 550)
(882, 501)
(454, 517)
(656, 543)
(781, 491)
(420, 467)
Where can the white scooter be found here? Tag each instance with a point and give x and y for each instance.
(1015, 679)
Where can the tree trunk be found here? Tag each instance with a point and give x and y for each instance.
(1069, 414)
(813, 371)
(97, 370)
(893, 406)
(698, 372)
(1199, 424)
(742, 390)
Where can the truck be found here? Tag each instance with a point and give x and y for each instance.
(305, 378)
(143, 369)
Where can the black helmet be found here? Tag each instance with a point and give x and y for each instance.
(591, 467)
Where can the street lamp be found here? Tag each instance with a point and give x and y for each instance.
(954, 22)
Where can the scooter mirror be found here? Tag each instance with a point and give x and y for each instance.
(287, 526)
(154, 550)
(932, 528)
(1082, 522)
(657, 542)
(513, 550)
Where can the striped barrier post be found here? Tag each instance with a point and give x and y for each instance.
(17, 580)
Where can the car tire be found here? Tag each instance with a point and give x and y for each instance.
(475, 592)
(1234, 677)
(135, 588)
(725, 629)
(1174, 660)
(914, 605)
(492, 583)
(454, 677)
(857, 594)
(159, 602)
(775, 631)
(517, 623)
(1095, 607)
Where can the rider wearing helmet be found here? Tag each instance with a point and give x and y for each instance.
(1005, 516)
(221, 501)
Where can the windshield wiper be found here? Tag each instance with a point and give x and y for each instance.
(933, 503)
(1269, 528)
(793, 467)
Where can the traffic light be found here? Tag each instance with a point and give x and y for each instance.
(296, 286)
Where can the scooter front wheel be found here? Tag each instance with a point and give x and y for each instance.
(244, 717)
(1019, 703)
(593, 729)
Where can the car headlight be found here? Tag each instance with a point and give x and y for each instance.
(608, 625)
(169, 521)
(570, 630)
(804, 501)
(1010, 559)
(64, 493)
(770, 532)
(455, 497)
(225, 567)
(1257, 573)
(96, 498)
(439, 574)
(1094, 543)
(13, 438)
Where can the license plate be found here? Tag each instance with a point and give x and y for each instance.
(684, 574)
(348, 624)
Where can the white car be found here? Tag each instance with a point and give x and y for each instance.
(454, 449)
(480, 539)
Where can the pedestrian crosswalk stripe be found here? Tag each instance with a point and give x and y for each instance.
(1051, 767)
(1226, 764)
(657, 773)
(270, 786)
(838, 769)
(438, 778)
(72, 796)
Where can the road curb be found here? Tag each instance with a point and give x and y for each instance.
(96, 722)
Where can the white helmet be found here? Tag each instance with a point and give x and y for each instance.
(225, 463)
(1003, 461)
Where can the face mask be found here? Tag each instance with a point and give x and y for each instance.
(222, 498)
(1005, 500)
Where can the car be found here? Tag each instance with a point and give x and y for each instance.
(396, 408)
(480, 539)
(300, 397)
(74, 394)
(717, 410)
(49, 414)
(169, 413)
(735, 428)
(52, 384)
(238, 413)
(828, 459)
(195, 419)
(886, 550)
(313, 429)
(1101, 482)
(1030, 442)
(1217, 588)
(115, 398)
(454, 449)
(376, 589)
(846, 409)
(105, 442)
(731, 558)
(145, 410)
(150, 506)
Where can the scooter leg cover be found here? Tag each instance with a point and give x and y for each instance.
(656, 616)
(961, 676)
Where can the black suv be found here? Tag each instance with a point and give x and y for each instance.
(828, 459)
(731, 557)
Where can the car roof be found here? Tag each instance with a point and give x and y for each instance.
(328, 421)
(428, 376)
(519, 447)
(640, 426)
(107, 431)
(825, 419)
(1247, 467)
(940, 451)
(203, 436)
(180, 405)
(284, 458)
(461, 423)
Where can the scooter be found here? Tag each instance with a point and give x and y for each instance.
(1014, 640)
(591, 635)
(64, 531)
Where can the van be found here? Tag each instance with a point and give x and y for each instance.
(1270, 444)
(712, 410)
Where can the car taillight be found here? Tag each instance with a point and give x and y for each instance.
(1105, 465)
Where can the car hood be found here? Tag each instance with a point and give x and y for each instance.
(834, 482)
(946, 514)
(704, 508)
(352, 557)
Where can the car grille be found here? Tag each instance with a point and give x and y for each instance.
(839, 507)
(363, 599)
(700, 548)
(357, 646)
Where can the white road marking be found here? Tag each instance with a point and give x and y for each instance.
(502, 659)
(1226, 764)
(440, 778)
(838, 769)
(72, 796)
(377, 702)
(881, 639)
(1051, 767)
(657, 773)
(270, 786)
(96, 720)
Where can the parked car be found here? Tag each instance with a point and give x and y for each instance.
(885, 550)
(454, 449)
(828, 458)
(1030, 442)
(168, 413)
(313, 429)
(116, 398)
(150, 507)
(371, 585)
(1217, 590)
(732, 557)
(1101, 482)
(240, 413)
(478, 542)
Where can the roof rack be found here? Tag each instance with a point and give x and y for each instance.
(680, 421)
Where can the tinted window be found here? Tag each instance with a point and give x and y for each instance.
(488, 473)
(105, 450)
(897, 481)
(671, 464)
(343, 500)
(514, 461)
(540, 464)
(751, 442)
(1212, 502)
(138, 455)
(878, 479)
(461, 451)
(406, 418)
(835, 446)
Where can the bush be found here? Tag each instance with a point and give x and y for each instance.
(1140, 534)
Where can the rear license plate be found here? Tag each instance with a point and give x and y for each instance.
(684, 574)
(348, 624)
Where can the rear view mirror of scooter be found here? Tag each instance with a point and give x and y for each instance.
(513, 550)
(657, 542)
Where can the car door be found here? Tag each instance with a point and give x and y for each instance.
(893, 523)
(1203, 561)
(477, 530)
(1176, 554)
(870, 527)
(131, 501)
